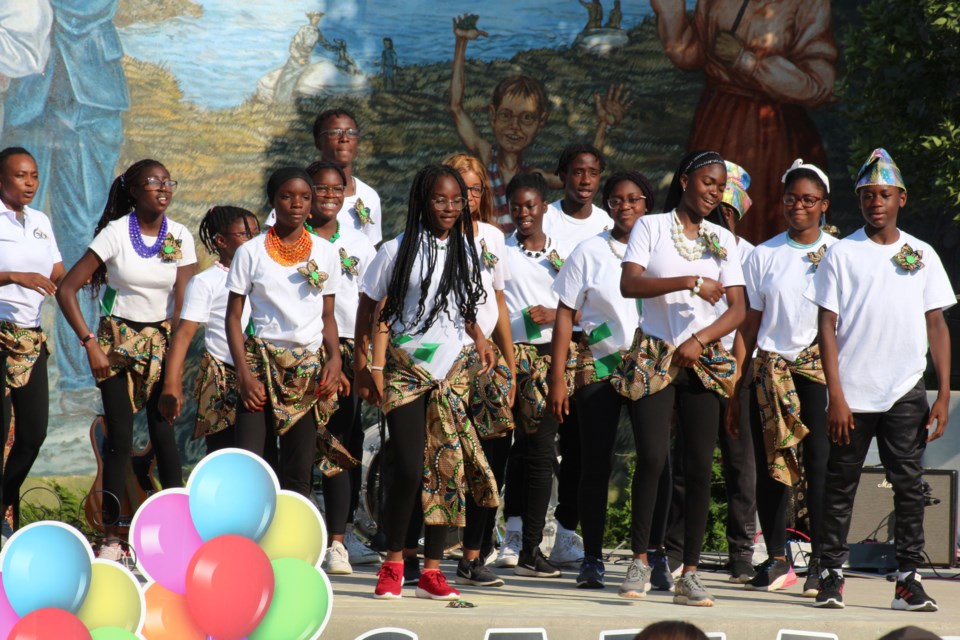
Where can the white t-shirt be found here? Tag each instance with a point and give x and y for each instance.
(676, 316)
(205, 302)
(348, 212)
(881, 322)
(437, 348)
(557, 224)
(285, 309)
(777, 275)
(29, 247)
(494, 278)
(745, 249)
(360, 251)
(590, 281)
(143, 286)
(530, 285)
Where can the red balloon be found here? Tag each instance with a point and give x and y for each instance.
(49, 624)
(229, 587)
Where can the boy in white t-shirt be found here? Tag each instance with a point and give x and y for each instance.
(874, 356)
(574, 218)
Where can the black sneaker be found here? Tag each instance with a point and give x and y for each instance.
(476, 573)
(910, 596)
(535, 565)
(591, 573)
(411, 571)
(772, 574)
(741, 571)
(811, 584)
(661, 576)
(830, 592)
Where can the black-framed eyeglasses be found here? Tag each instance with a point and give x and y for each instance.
(339, 133)
(526, 118)
(457, 204)
(241, 234)
(476, 190)
(807, 201)
(633, 202)
(326, 189)
(155, 184)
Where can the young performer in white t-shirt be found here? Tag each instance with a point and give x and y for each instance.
(222, 231)
(30, 267)
(140, 261)
(430, 279)
(574, 218)
(288, 371)
(788, 374)
(681, 265)
(881, 293)
(589, 288)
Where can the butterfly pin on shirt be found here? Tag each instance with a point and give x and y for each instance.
(348, 263)
(816, 256)
(713, 244)
(489, 260)
(170, 250)
(908, 259)
(555, 260)
(315, 277)
(363, 212)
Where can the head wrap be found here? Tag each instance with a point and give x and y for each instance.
(879, 169)
(799, 164)
(735, 193)
(282, 175)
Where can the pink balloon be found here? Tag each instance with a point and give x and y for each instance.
(164, 538)
(8, 617)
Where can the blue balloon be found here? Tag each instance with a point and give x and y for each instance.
(46, 565)
(232, 493)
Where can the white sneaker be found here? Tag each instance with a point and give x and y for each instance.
(337, 560)
(359, 552)
(567, 550)
(509, 554)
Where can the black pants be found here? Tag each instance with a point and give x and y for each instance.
(537, 454)
(901, 439)
(407, 426)
(355, 447)
(698, 420)
(480, 520)
(31, 402)
(772, 496)
(337, 489)
(255, 433)
(567, 512)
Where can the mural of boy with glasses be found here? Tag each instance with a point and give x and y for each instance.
(517, 112)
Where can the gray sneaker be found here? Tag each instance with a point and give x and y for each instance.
(637, 582)
(690, 591)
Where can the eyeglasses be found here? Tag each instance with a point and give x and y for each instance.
(241, 234)
(457, 204)
(325, 189)
(633, 202)
(476, 190)
(526, 118)
(155, 184)
(339, 133)
(807, 201)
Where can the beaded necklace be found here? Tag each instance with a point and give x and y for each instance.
(136, 237)
(533, 254)
(219, 265)
(796, 245)
(288, 255)
(612, 244)
(333, 238)
(681, 242)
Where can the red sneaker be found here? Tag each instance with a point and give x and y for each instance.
(390, 583)
(433, 585)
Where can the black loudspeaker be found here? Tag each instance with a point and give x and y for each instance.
(873, 518)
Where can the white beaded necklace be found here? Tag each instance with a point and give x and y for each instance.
(613, 249)
(688, 249)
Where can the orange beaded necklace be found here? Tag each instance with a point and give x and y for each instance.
(288, 255)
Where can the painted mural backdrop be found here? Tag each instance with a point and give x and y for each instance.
(224, 92)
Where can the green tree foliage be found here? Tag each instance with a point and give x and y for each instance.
(901, 91)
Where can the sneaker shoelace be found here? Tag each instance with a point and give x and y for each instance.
(438, 581)
(634, 571)
(390, 571)
(695, 579)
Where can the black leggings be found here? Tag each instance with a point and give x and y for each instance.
(254, 432)
(31, 402)
(698, 420)
(337, 489)
(772, 496)
(480, 520)
(407, 426)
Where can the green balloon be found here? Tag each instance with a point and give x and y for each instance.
(111, 633)
(300, 605)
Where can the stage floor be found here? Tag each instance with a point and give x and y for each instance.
(568, 613)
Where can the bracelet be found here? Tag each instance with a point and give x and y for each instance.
(697, 338)
(375, 368)
(696, 286)
(87, 338)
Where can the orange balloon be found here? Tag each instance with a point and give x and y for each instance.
(168, 616)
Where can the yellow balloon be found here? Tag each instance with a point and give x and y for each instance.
(113, 600)
(297, 530)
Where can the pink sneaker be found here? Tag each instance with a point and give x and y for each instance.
(433, 585)
(390, 583)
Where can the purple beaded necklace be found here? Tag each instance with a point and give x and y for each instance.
(136, 237)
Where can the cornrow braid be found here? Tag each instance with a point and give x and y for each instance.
(218, 219)
(460, 273)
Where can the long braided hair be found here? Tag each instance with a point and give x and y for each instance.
(460, 272)
(218, 219)
(690, 163)
(119, 203)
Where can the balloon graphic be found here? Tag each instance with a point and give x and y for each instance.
(302, 602)
(46, 565)
(163, 535)
(113, 600)
(167, 616)
(297, 530)
(112, 633)
(232, 492)
(8, 617)
(229, 587)
(49, 624)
